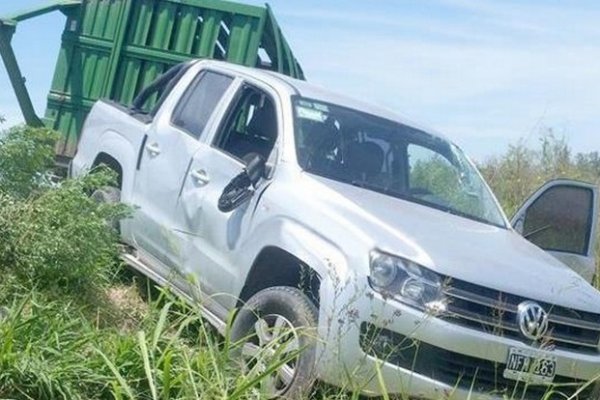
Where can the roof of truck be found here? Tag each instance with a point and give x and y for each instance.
(316, 92)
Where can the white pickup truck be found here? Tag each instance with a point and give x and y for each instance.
(374, 243)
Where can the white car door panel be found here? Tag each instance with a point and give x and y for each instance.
(561, 218)
(209, 237)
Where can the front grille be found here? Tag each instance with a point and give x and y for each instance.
(495, 312)
(460, 371)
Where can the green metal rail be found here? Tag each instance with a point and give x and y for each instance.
(114, 48)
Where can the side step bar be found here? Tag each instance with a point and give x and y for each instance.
(140, 266)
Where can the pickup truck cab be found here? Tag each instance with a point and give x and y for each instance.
(375, 244)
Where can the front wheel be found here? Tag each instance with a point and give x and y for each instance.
(277, 327)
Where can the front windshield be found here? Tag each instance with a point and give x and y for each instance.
(376, 154)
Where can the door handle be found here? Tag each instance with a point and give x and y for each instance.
(200, 176)
(153, 149)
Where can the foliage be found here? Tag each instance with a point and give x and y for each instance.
(53, 350)
(59, 239)
(44, 351)
(514, 175)
(26, 155)
(51, 236)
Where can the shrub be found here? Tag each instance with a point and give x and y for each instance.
(59, 240)
(513, 176)
(26, 156)
(53, 237)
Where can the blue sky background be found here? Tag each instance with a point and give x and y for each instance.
(486, 73)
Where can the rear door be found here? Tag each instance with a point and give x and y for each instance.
(169, 147)
(560, 218)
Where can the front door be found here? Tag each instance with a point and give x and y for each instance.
(560, 218)
(169, 147)
(210, 237)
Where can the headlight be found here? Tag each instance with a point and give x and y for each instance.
(406, 281)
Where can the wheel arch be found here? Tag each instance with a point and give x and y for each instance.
(275, 266)
(104, 158)
(119, 153)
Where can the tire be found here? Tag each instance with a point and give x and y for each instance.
(291, 334)
(108, 195)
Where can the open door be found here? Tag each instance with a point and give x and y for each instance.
(560, 218)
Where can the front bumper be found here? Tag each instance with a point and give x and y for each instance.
(344, 362)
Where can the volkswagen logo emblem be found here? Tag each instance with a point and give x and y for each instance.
(533, 320)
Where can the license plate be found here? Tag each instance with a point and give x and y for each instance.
(532, 367)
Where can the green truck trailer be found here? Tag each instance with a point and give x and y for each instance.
(113, 48)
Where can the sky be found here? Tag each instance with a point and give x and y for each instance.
(484, 73)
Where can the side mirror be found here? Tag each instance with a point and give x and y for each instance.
(241, 188)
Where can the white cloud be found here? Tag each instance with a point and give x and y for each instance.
(526, 69)
(571, 20)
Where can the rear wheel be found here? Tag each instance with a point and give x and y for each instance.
(278, 329)
(108, 195)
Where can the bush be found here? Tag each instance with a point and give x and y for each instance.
(59, 240)
(514, 175)
(53, 237)
(26, 156)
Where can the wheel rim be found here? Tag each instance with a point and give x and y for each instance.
(272, 341)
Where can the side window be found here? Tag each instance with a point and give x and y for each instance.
(199, 102)
(560, 219)
(251, 126)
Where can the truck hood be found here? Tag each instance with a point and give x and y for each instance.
(460, 248)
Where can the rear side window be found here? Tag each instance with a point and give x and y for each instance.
(199, 102)
(560, 220)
